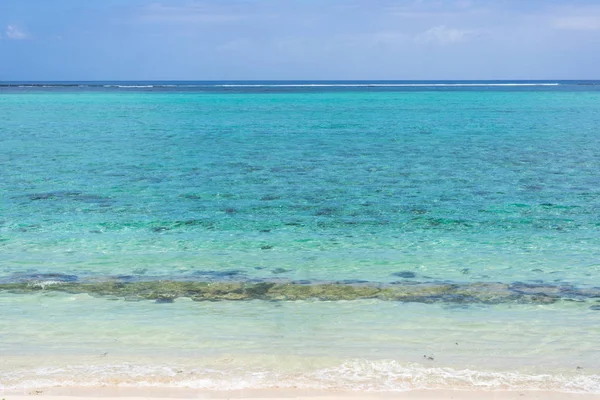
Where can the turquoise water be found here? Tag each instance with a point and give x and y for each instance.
(364, 186)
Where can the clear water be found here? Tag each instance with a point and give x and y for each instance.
(361, 184)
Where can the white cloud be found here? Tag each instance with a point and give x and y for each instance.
(579, 23)
(16, 33)
(444, 35)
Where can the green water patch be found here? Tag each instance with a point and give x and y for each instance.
(165, 291)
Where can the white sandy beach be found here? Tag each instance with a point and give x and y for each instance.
(276, 394)
(429, 395)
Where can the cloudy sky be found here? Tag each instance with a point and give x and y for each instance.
(299, 39)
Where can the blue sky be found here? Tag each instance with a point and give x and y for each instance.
(299, 39)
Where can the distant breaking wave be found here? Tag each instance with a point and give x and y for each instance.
(317, 85)
(136, 86)
(388, 84)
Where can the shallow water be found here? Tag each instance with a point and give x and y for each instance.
(114, 198)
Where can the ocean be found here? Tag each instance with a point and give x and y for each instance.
(358, 236)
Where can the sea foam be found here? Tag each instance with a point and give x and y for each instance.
(352, 375)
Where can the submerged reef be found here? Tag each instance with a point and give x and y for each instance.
(165, 291)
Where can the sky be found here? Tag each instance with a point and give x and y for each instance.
(298, 39)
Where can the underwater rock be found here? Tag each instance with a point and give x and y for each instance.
(72, 195)
(164, 299)
(537, 288)
(218, 286)
(259, 290)
(405, 274)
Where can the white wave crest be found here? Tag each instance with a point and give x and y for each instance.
(129, 86)
(356, 375)
(44, 284)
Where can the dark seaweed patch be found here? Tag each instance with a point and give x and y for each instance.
(191, 196)
(221, 286)
(405, 274)
(164, 299)
(280, 271)
(125, 278)
(541, 288)
(259, 290)
(326, 211)
(270, 197)
(216, 275)
(404, 283)
(182, 224)
(140, 271)
(189, 222)
(69, 195)
(293, 223)
(301, 282)
(441, 222)
(419, 211)
(52, 195)
(351, 282)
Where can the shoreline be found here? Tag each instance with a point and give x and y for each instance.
(120, 393)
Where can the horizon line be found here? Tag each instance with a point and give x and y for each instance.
(295, 80)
